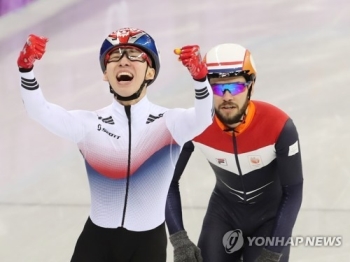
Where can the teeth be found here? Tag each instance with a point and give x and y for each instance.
(124, 74)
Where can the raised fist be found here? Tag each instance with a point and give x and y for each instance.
(191, 58)
(33, 49)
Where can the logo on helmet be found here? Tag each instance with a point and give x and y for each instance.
(123, 35)
(133, 37)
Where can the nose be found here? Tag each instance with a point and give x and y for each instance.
(227, 96)
(124, 61)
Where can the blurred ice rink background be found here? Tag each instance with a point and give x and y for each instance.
(301, 50)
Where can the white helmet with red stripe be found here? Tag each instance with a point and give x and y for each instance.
(226, 60)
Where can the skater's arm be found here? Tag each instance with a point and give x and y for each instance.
(289, 166)
(173, 212)
(66, 124)
(56, 119)
(185, 124)
(287, 214)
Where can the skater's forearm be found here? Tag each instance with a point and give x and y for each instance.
(287, 214)
(173, 209)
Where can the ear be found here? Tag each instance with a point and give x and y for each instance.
(252, 87)
(105, 78)
(251, 90)
(150, 73)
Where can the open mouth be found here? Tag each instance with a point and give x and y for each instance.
(124, 77)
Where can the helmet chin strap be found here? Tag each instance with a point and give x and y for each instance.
(133, 96)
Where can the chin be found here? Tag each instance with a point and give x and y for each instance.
(125, 90)
(231, 114)
(125, 94)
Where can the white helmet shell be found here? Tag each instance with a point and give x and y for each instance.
(229, 60)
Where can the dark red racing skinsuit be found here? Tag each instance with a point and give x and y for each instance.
(258, 190)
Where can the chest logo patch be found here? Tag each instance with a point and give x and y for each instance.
(107, 120)
(152, 118)
(221, 161)
(255, 161)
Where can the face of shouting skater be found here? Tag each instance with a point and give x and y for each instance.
(126, 69)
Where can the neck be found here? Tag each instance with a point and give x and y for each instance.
(133, 101)
(130, 102)
(234, 125)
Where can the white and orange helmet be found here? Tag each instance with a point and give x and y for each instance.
(227, 60)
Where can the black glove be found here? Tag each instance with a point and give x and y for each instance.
(269, 256)
(184, 249)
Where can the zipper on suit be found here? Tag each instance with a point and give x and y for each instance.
(128, 114)
(235, 152)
